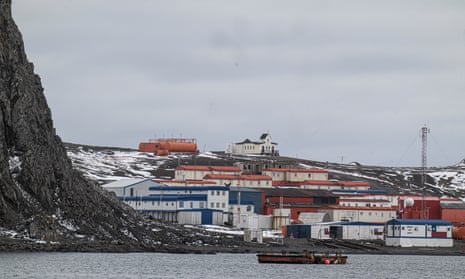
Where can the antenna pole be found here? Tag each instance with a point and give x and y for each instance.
(424, 141)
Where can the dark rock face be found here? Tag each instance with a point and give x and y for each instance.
(40, 193)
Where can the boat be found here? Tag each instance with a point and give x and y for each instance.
(302, 258)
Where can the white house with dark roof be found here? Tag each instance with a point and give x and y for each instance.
(262, 146)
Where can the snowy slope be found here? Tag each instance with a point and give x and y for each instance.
(105, 164)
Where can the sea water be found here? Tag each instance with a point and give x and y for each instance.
(155, 265)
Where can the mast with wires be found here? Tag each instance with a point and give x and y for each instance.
(424, 140)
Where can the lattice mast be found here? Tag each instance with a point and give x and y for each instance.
(424, 140)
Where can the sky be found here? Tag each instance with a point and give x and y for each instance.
(338, 81)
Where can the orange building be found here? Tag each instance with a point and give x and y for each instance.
(163, 147)
(453, 212)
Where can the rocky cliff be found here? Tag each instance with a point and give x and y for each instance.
(41, 195)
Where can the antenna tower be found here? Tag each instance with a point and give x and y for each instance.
(424, 140)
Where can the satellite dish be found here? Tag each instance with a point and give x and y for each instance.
(408, 202)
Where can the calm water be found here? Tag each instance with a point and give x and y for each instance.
(151, 265)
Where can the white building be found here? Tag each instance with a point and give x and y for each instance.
(204, 204)
(337, 230)
(360, 213)
(131, 187)
(284, 176)
(419, 233)
(263, 146)
(244, 180)
(188, 172)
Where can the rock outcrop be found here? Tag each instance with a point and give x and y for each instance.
(41, 194)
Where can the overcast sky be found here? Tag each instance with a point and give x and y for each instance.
(337, 81)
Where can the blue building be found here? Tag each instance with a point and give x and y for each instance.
(180, 204)
(419, 233)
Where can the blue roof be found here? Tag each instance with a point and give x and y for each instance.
(188, 188)
(167, 198)
(244, 189)
(418, 222)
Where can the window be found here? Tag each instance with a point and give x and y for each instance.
(217, 205)
(201, 205)
(249, 208)
(213, 193)
(181, 204)
(223, 205)
(191, 204)
(131, 192)
(217, 193)
(212, 205)
(224, 193)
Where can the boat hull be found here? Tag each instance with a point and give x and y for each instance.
(301, 259)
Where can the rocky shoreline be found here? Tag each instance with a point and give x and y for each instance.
(234, 245)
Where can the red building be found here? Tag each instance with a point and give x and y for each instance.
(419, 207)
(297, 200)
(453, 212)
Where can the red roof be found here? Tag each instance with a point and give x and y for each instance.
(255, 177)
(221, 176)
(322, 183)
(209, 168)
(367, 208)
(237, 177)
(193, 168)
(188, 181)
(296, 170)
(225, 168)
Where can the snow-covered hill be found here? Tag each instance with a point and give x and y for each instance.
(105, 164)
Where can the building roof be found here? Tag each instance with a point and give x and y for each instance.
(295, 192)
(358, 192)
(366, 208)
(209, 168)
(225, 168)
(187, 182)
(314, 170)
(255, 177)
(244, 189)
(187, 188)
(264, 135)
(261, 141)
(449, 205)
(361, 200)
(221, 176)
(166, 198)
(122, 183)
(419, 222)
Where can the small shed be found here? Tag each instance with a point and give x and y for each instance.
(419, 233)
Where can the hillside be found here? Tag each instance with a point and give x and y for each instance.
(104, 164)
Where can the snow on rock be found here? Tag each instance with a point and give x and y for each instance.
(110, 165)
